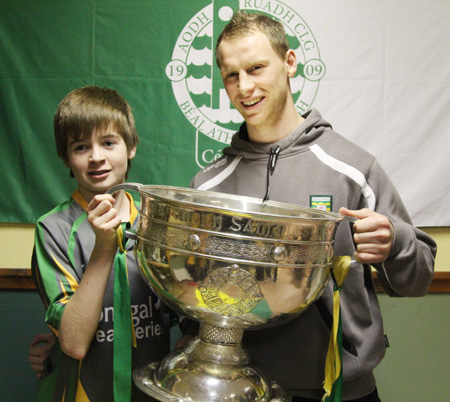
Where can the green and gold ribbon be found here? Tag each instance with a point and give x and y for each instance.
(333, 364)
(124, 336)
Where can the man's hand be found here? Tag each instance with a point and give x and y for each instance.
(373, 235)
(38, 353)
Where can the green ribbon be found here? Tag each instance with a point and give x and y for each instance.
(123, 324)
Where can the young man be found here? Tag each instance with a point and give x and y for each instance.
(77, 266)
(281, 155)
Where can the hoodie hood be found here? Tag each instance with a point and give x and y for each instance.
(299, 140)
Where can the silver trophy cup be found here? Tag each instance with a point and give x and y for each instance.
(232, 263)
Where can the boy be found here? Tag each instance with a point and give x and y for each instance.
(75, 260)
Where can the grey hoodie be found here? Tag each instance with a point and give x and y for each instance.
(314, 161)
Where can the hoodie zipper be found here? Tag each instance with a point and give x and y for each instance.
(273, 157)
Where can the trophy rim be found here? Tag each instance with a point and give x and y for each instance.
(163, 193)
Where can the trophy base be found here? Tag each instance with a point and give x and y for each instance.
(143, 378)
(207, 372)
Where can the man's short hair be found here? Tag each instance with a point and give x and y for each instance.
(243, 23)
(90, 108)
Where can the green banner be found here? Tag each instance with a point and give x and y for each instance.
(48, 48)
(158, 54)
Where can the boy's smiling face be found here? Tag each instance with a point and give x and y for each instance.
(99, 161)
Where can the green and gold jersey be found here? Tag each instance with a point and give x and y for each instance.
(64, 241)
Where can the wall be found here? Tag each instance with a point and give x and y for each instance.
(21, 316)
(416, 365)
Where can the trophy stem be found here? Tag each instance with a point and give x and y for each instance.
(220, 336)
(212, 367)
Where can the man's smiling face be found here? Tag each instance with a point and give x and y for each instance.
(256, 78)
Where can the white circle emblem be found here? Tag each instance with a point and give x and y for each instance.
(197, 88)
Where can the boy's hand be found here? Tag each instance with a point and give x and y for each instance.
(373, 235)
(104, 219)
(37, 354)
(183, 341)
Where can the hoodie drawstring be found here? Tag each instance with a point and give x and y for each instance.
(270, 169)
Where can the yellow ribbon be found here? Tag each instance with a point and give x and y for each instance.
(333, 364)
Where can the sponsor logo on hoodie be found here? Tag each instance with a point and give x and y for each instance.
(322, 202)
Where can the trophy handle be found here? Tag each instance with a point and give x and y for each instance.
(129, 234)
(125, 186)
(350, 219)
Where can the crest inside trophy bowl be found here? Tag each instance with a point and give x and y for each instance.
(232, 263)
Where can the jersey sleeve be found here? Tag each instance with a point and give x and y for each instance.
(53, 272)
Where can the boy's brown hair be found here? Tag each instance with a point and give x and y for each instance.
(89, 108)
